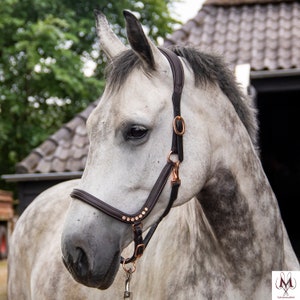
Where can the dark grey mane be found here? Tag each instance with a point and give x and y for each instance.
(207, 68)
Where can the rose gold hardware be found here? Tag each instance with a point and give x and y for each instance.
(129, 272)
(130, 269)
(175, 174)
(175, 171)
(136, 255)
(179, 118)
(169, 157)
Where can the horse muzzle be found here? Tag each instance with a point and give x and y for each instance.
(86, 273)
(91, 247)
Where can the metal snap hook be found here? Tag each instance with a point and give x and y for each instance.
(129, 272)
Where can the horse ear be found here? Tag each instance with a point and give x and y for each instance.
(139, 42)
(109, 42)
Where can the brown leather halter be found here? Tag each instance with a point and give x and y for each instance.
(170, 167)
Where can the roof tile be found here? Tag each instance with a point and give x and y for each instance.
(65, 150)
(248, 32)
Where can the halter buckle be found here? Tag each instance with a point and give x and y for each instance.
(139, 245)
(179, 125)
(175, 174)
(139, 250)
(175, 170)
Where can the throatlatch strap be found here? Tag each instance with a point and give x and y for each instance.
(178, 83)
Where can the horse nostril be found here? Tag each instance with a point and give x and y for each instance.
(77, 263)
(81, 262)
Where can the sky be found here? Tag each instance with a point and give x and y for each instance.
(188, 9)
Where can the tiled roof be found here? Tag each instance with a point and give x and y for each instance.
(264, 33)
(64, 151)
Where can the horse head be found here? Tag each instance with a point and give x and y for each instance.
(130, 135)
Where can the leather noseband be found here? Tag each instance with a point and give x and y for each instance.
(170, 167)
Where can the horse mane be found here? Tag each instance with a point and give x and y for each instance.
(207, 69)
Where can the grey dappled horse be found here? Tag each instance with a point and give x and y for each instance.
(223, 235)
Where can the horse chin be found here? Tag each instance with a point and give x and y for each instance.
(96, 277)
(110, 274)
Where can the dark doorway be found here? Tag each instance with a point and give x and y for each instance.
(280, 154)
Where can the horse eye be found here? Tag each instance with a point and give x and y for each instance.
(136, 132)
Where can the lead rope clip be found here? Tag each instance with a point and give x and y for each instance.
(129, 272)
(127, 293)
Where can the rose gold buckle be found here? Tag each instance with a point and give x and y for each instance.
(175, 174)
(182, 131)
(175, 170)
(140, 247)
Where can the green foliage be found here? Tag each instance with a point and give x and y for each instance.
(43, 46)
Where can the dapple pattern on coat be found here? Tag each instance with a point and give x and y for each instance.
(224, 235)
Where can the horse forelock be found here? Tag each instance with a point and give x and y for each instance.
(120, 67)
(207, 69)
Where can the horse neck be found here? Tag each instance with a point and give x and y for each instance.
(241, 210)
